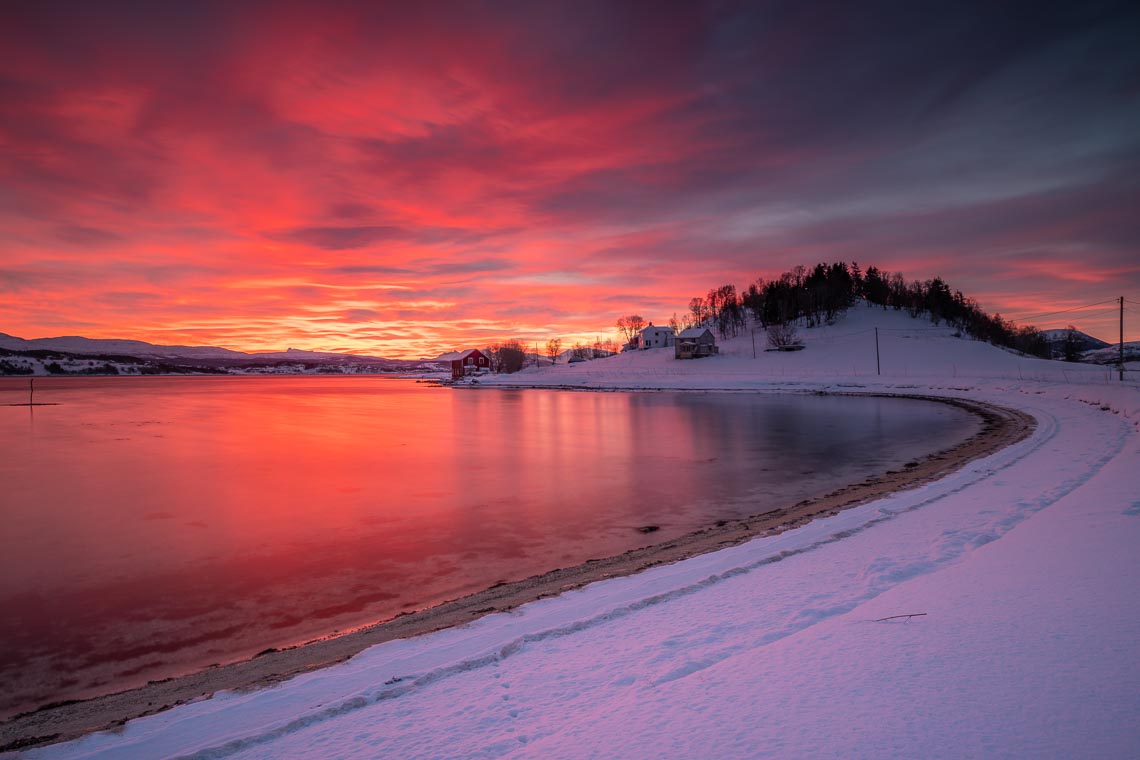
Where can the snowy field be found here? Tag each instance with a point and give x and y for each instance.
(1022, 571)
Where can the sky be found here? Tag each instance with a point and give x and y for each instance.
(401, 179)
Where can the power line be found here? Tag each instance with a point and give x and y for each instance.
(1085, 314)
(1066, 311)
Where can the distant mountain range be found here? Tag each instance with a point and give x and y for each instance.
(1089, 349)
(76, 355)
(79, 355)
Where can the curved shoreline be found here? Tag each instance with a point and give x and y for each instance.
(1001, 427)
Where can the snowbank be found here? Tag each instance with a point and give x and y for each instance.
(1024, 566)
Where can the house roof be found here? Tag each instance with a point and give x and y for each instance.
(694, 332)
(658, 328)
(457, 355)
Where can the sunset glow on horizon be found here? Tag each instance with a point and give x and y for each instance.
(405, 179)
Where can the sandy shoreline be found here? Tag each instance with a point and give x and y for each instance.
(1000, 427)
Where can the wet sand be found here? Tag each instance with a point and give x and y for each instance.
(1000, 427)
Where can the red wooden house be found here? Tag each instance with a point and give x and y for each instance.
(467, 362)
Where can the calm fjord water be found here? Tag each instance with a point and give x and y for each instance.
(153, 526)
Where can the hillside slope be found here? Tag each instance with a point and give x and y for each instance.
(908, 349)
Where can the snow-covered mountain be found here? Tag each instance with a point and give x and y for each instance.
(78, 355)
(1059, 334)
(1089, 349)
(75, 344)
(1059, 339)
(1110, 354)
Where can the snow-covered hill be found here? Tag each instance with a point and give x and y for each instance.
(908, 349)
(1071, 344)
(1086, 341)
(1111, 354)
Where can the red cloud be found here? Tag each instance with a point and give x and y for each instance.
(398, 180)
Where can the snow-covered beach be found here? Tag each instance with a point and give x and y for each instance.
(1019, 570)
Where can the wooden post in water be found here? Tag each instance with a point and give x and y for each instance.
(31, 390)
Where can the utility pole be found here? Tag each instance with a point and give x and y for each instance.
(878, 367)
(1121, 367)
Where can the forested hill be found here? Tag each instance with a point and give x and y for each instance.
(817, 295)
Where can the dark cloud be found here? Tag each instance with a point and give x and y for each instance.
(443, 148)
(1099, 214)
(461, 236)
(341, 238)
(350, 210)
(26, 280)
(365, 269)
(132, 298)
(444, 267)
(359, 315)
(85, 236)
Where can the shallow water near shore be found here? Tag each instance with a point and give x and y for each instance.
(153, 526)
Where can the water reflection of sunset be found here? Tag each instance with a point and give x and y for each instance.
(157, 525)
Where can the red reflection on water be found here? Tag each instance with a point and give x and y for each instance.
(156, 525)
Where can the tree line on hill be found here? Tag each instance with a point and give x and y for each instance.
(816, 296)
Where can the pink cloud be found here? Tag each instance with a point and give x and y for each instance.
(397, 180)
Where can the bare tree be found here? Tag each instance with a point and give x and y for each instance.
(782, 335)
(630, 326)
(553, 349)
(508, 357)
(494, 357)
(698, 311)
(601, 349)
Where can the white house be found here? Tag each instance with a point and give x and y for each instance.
(695, 343)
(656, 337)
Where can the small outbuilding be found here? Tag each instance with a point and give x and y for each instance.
(467, 362)
(695, 343)
(656, 337)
